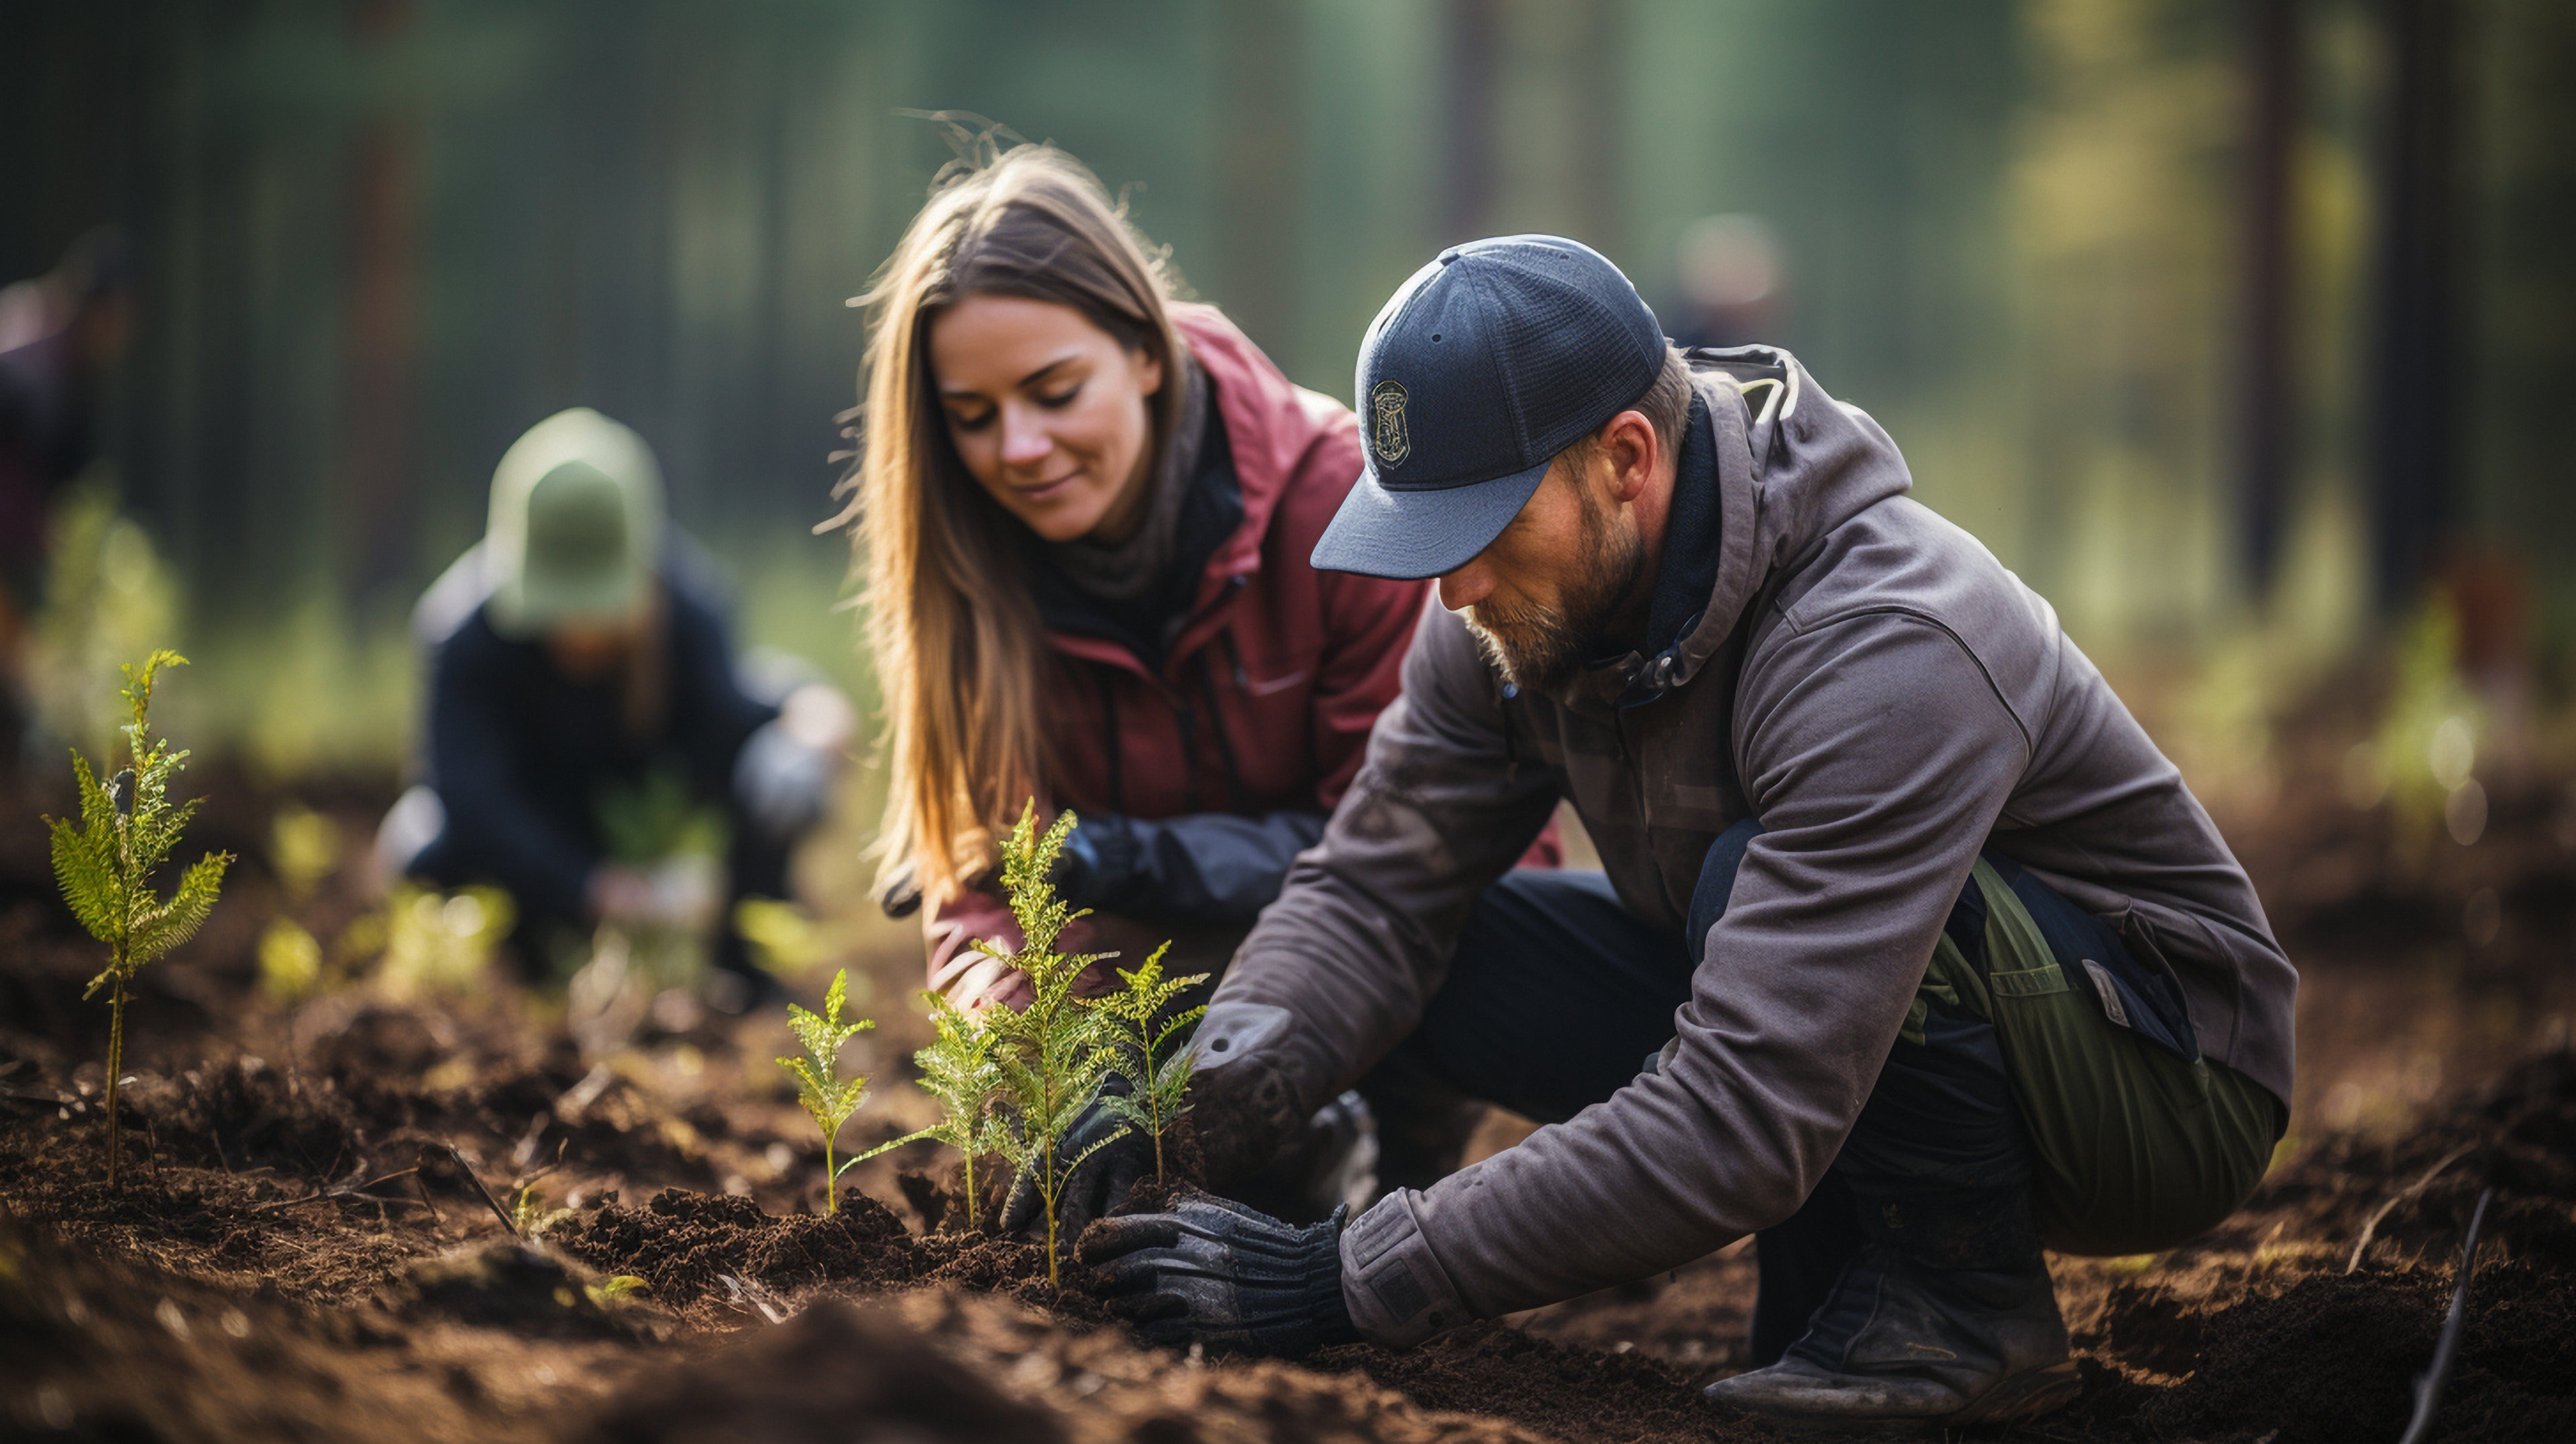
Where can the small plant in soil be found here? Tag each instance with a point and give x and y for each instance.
(1055, 1053)
(960, 1070)
(529, 1215)
(128, 826)
(828, 1098)
(1157, 1067)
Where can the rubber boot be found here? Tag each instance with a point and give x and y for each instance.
(1945, 1318)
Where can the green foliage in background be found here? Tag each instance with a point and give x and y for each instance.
(659, 817)
(128, 826)
(108, 597)
(1137, 1015)
(1055, 1053)
(958, 1069)
(432, 941)
(829, 1099)
(2422, 760)
(783, 939)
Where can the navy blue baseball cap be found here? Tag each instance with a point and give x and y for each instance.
(1479, 370)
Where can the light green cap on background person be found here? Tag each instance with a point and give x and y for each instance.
(576, 524)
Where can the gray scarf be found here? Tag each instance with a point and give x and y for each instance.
(1124, 571)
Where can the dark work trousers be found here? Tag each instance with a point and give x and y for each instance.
(756, 866)
(1558, 996)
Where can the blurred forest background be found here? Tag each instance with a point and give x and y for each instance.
(2238, 327)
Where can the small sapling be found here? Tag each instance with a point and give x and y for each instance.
(1159, 1083)
(1054, 1053)
(828, 1098)
(958, 1069)
(529, 1215)
(128, 825)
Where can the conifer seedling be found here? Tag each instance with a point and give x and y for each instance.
(1054, 1053)
(828, 1098)
(128, 825)
(1159, 1084)
(958, 1069)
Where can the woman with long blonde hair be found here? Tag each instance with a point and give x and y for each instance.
(1082, 517)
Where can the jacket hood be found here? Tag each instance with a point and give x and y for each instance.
(1793, 464)
(1272, 426)
(1270, 421)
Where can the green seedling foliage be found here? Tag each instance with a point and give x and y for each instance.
(614, 1290)
(960, 1070)
(529, 1215)
(1055, 1053)
(828, 1098)
(1157, 1067)
(128, 826)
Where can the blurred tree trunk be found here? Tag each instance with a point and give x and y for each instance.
(2420, 353)
(383, 322)
(1471, 44)
(2267, 416)
(1261, 165)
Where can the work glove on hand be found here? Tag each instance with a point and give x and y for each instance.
(1099, 1184)
(1097, 868)
(780, 783)
(1214, 1272)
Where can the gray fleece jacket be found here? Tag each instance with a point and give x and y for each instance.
(1899, 700)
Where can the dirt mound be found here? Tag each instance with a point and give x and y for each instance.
(242, 1113)
(2413, 1193)
(833, 1373)
(2334, 1359)
(96, 1349)
(685, 1244)
(1103, 1387)
(1575, 1394)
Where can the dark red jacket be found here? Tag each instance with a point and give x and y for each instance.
(1265, 699)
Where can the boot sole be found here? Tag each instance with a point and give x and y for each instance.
(2026, 1395)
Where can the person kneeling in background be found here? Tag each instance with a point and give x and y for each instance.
(579, 664)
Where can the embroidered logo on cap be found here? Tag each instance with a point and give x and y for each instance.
(1386, 424)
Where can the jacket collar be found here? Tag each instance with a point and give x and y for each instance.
(1792, 464)
(1270, 424)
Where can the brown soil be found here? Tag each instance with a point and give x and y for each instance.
(304, 1250)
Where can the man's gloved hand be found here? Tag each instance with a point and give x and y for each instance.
(1101, 1183)
(1214, 1272)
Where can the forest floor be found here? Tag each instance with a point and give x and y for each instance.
(302, 1247)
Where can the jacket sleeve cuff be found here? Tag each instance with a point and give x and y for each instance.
(1398, 1294)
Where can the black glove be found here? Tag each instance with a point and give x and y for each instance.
(1101, 1183)
(1214, 1272)
(1097, 868)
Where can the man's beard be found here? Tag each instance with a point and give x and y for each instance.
(1539, 647)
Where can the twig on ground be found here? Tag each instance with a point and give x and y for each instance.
(2370, 1228)
(467, 1169)
(2428, 1385)
(358, 1192)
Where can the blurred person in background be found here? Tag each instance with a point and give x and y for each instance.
(1734, 280)
(579, 664)
(60, 335)
(1082, 515)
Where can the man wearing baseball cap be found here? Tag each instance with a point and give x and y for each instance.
(1911, 954)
